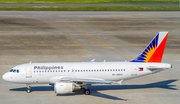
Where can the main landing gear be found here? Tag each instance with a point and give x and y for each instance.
(28, 88)
(86, 90)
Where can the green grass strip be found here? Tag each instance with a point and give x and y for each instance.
(126, 8)
(89, 1)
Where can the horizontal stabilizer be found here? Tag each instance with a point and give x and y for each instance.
(166, 66)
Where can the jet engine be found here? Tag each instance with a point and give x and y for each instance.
(63, 88)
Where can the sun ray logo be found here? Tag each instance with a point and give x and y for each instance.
(154, 51)
(148, 52)
(140, 69)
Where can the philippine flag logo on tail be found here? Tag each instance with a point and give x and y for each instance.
(154, 51)
(140, 69)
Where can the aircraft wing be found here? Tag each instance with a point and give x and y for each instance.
(79, 79)
(90, 81)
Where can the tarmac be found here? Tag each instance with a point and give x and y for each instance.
(79, 36)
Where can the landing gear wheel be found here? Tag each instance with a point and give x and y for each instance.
(86, 91)
(28, 91)
(28, 88)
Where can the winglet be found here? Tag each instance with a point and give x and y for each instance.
(154, 51)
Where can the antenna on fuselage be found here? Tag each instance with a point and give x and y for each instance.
(93, 60)
(104, 60)
(30, 62)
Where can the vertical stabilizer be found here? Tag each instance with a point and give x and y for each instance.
(154, 51)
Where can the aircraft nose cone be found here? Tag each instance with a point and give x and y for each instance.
(5, 77)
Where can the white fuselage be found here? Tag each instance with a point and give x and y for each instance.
(35, 73)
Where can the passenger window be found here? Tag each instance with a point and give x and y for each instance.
(34, 71)
(42, 71)
(86, 70)
(64, 70)
(68, 70)
(121, 69)
(102, 69)
(108, 69)
(76, 70)
(124, 69)
(118, 69)
(72, 70)
(61, 70)
(97, 70)
(111, 70)
(94, 70)
(39, 71)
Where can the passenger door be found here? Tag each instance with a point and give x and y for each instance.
(28, 72)
(133, 70)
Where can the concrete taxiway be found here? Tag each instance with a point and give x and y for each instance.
(77, 36)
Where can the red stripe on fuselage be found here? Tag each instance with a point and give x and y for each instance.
(157, 56)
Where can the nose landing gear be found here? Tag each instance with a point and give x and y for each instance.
(28, 88)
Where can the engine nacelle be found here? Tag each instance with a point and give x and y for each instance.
(63, 88)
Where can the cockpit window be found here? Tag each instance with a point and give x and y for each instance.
(14, 70)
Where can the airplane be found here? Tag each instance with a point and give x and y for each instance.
(69, 76)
